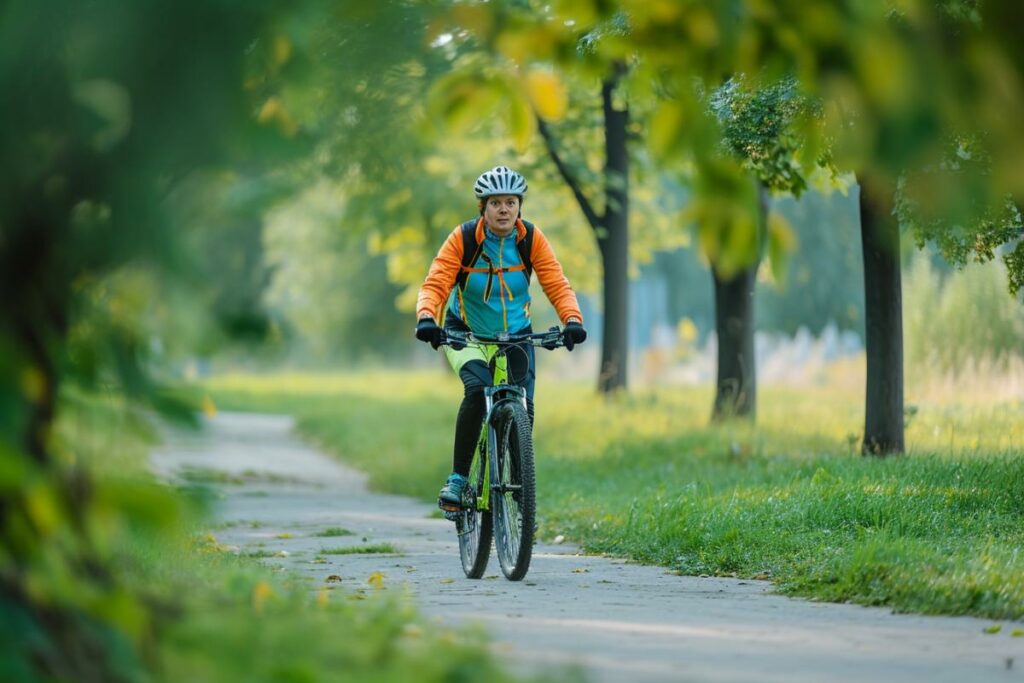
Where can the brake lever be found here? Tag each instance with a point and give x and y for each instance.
(550, 342)
(456, 341)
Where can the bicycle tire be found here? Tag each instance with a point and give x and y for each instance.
(514, 505)
(474, 526)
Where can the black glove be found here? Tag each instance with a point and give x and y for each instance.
(428, 331)
(573, 334)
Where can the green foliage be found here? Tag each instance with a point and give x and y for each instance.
(103, 445)
(824, 278)
(242, 623)
(644, 476)
(947, 205)
(109, 107)
(331, 295)
(760, 125)
(894, 83)
(223, 260)
(959, 321)
(119, 123)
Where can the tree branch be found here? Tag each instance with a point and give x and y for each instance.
(570, 180)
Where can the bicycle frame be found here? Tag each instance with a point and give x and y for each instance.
(499, 392)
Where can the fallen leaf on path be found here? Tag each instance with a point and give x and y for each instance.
(559, 539)
(333, 578)
(260, 592)
(580, 570)
(1017, 632)
(284, 535)
(447, 580)
(376, 580)
(281, 553)
(209, 407)
(994, 628)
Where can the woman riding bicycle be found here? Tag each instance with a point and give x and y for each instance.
(480, 281)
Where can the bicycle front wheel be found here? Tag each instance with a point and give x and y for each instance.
(514, 498)
(473, 524)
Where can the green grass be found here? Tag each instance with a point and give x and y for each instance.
(377, 548)
(643, 476)
(333, 531)
(181, 607)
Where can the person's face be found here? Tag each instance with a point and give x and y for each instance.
(500, 213)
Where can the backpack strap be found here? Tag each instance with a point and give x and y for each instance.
(472, 250)
(525, 246)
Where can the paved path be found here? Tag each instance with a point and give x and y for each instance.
(618, 621)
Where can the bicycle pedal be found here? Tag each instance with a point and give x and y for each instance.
(448, 507)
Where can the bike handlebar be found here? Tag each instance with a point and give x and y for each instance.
(552, 339)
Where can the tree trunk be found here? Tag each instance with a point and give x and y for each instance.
(883, 319)
(736, 385)
(613, 241)
(611, 230)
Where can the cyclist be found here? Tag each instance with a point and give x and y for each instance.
(480, 281)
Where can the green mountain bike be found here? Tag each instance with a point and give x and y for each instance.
(500, 501)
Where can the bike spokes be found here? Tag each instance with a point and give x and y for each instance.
(473, 524)
(514, 511)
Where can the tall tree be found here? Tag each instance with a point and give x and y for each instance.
(758, 124)
(882, 116)
(610, 226)
(883, 318)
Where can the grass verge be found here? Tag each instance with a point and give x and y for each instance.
(333, 532)
(376, 549)
(187, 609)
(642, 475)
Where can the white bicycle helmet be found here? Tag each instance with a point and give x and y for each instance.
(499, 180)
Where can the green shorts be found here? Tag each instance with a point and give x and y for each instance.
(481, 352)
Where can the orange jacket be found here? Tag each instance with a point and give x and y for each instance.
(437, 287)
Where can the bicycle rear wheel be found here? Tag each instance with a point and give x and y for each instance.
(473, 525)
(514, 503)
